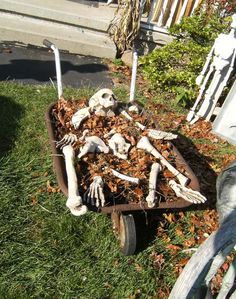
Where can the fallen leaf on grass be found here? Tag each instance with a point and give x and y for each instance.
(34, 201)
(158, 260)
(138, 268)
(50, 188)
(173, 248)
(192, 229)
(183, 262)
(190, 242)
(169, 217)
(179, 231)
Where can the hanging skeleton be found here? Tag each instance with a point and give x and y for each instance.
(215, 75)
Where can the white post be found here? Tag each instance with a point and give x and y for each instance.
(134, 75)
(58, 65)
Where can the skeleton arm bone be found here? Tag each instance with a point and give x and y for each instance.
(74, 201)
(205, 67)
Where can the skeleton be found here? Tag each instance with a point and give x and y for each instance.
(94, 195)
(103, 103)
(187, 193)
(145, 145)
(218, 68)
(151, 198)
(119, 146)
(93, 144)
(74, 201)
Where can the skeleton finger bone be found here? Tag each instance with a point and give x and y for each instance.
(94, 195)
(151, 198)
(127, 116)
(145, 145)
(157, 134)
(66, 140)
(74, 201)
(186, 193)
(119, 146)
(93, 144)
(125, 177)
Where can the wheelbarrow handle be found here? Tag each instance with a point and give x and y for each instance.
(50, 45)
(47, 43)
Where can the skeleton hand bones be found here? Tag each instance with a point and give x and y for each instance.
(94, 194)
(68, 139)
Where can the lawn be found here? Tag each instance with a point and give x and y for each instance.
(46, 252)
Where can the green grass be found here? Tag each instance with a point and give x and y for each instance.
(45, 252)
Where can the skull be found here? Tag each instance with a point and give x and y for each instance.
(119, 146)
(103, 102)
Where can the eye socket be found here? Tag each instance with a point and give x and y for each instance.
(106, 96)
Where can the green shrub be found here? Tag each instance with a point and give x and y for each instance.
(174, 67)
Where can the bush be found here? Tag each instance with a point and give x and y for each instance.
(174, 67)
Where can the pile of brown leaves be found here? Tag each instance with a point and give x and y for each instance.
(138, 164)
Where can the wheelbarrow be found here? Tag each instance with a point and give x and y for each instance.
(122, 214)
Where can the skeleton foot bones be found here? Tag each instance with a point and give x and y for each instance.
(117, 154)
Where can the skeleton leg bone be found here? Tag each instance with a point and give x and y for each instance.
(151, 198)
(191, 113)
(74, 201)
(145, 145)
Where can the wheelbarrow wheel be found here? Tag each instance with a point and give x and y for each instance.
(127, 234)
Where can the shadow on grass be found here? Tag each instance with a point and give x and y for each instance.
(10, 114)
